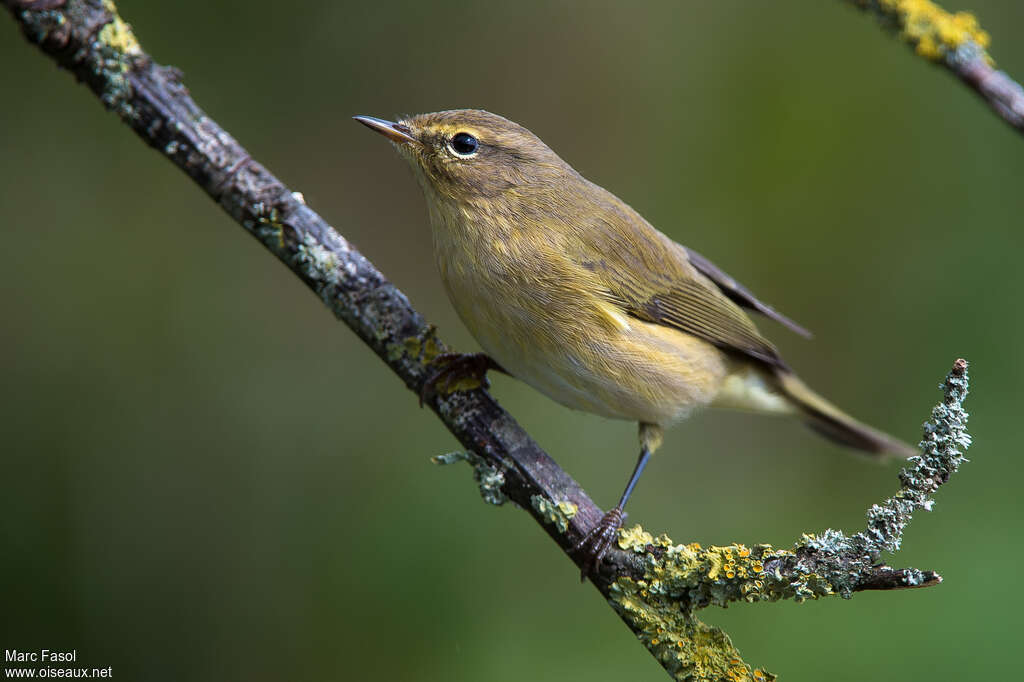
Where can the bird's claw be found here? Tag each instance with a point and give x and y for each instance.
(449, 369)
(595, 544)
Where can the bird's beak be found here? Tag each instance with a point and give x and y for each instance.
(396, 132)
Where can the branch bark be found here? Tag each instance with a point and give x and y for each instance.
(654, 585)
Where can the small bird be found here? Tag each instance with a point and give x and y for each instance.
(570, 290)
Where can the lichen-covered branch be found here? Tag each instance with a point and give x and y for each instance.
(957, 42)
(655, 586)
(677, 580)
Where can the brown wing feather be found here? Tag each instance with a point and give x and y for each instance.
(739, 293)
(693, 307)
(650, 277)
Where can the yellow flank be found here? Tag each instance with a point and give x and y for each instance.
(748, 388)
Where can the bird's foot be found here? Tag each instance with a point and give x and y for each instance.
(595, 544)
(452, 372)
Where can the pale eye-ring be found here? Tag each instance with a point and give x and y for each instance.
(463, 144)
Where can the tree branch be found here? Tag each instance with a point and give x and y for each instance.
(655, 586)
(957, 42)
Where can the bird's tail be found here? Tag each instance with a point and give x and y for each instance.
(836, 425)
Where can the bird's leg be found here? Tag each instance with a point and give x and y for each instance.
(595, 544)
(449, 370)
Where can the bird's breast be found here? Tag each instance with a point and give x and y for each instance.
(549, 326)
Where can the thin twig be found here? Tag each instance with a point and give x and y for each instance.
(958, 43)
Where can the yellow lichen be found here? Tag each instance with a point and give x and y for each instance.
(431, 347)
(679, 579)
(569, 509)
(118, 34)
(635, 538)
(558, 514)
(688, 648)
(934, 32)
(423, 347)
(716, 562)
(460, 385)
(411, 346)
(730, 561)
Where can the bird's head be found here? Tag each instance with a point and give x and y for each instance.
(469, 155)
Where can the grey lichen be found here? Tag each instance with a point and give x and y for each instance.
(557, 513)
(679, 579)
(489, 479)
(39, 24)
(317, 263)
(323, 268)
(942, 452)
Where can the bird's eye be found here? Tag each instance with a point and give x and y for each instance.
(463, 144)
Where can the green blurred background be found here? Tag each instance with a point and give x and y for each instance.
(206, 477)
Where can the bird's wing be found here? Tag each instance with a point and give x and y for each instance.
(739, 294)
(694, 307)
(650, 277)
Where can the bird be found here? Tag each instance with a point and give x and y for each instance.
(570, 290)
